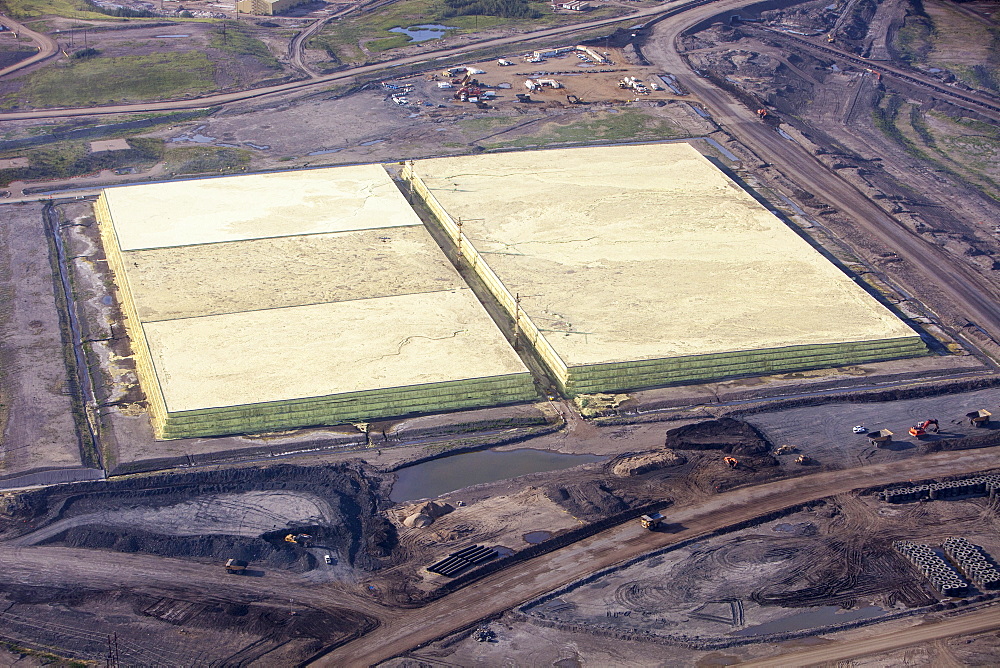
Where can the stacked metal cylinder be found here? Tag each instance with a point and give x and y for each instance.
(934, 568)
(972, 562)
(980, 485)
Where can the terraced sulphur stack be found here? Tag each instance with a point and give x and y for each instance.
(636, 266)
(277, 301)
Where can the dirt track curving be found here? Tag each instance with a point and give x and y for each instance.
(404, 630)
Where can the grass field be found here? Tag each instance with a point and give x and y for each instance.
(26, 9)
(944, 38)
(236, 38)
(967, 150)
(66, 159)
(343, 40)
(94, 81)
(206, 160)
(626, 125)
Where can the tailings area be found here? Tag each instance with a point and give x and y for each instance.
(821, 570)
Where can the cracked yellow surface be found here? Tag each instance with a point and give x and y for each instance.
(270, 288)
(643, 252)
(181, 213)
(186, 281)
(310, 351)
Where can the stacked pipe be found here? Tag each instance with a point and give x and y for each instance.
(972, 562)
(979, 485)
(934, 568)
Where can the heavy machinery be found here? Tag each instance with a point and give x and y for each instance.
(651, 522)
(924, 427)
(298, 539)
(732, 462)
(802, 460)
(573, 99)
(785, 450)
(880, 437)
(236, 566)
(762, 112)
(979, 418)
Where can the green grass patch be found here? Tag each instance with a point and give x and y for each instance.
(627, 125)
(914, 38)
(235, 37)
(66, 159)
(342, 39)
(206, 160)
(94, 81)
(27, 9)
(487, 123)
(45, 658)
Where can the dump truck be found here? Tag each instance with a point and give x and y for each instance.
(652, 521)
(236, 566)
(880, 437)
(979, 418)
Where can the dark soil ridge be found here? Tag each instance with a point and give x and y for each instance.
(767, 405)
(321, 629)
(693, 642)
(354, 490)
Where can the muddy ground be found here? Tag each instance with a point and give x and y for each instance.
(37, 406)
(830, 565)
(242, 513)
(905, 147)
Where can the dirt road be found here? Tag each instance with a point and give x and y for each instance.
(844, 650)
(698, 6)
(966, 294)
(47, 47)
(63, 567)
(402, 630)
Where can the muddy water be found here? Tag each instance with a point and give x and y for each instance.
(813, 618)
(447, 474)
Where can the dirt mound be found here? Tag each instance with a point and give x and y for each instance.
(646, 462)
(207, 515)
(591, 499)
(423, 514)
(734, 437)
(418, 521)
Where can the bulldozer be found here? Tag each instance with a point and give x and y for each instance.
(786, 450)
(298, 539)
(925, 427)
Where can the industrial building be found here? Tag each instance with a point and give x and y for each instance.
(266, 7)
(636, 266)
(276, 301)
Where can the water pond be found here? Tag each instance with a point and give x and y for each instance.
(440, 476)
(423, 32)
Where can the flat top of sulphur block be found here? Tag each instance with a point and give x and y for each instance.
(322, 349)
(212, 279)
(255, 206)
(650, 251)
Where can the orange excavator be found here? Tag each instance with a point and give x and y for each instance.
(732, 461)
(925, 427)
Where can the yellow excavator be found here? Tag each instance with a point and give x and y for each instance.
(298, 539)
